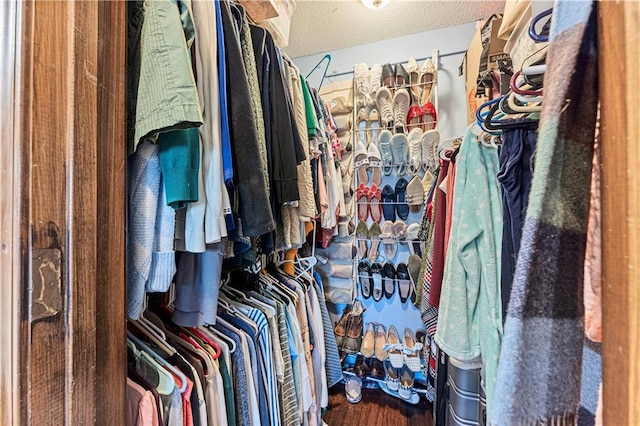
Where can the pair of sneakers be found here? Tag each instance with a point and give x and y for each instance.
(394, 150)
(393, 108)
(422, 150)
(367, 82)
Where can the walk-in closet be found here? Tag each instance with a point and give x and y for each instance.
(301, 212)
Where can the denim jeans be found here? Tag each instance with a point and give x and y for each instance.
(516, 172)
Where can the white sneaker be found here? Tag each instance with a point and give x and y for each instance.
(375, 74)
(361, 78)
(383, 100)
(401, 101)
(386, 151)
(415, 151)
(362, 126)
(400, 150)
(429, 142)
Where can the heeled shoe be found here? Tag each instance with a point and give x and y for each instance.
(353, 341)
(361, 368)
(412, 351)
(406, 384)
(376, 369)
(391, 376)
(340, 329)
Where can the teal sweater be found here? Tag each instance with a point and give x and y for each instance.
(470, 319)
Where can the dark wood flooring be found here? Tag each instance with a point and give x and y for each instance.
(375, 408)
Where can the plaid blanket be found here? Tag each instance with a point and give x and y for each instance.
(538, 381)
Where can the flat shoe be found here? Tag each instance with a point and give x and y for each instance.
(361, 162)
(376, 281)
(427, 78)
(404, 282)
(362, 233)
(362, 196)
(364, 275)
(374, 241)
(375, 164)
(388, 279)
(402, 209)
(374, 196)
(388, 203)
(379, 343)
(394, 348)
(389, 242)
(368, 341)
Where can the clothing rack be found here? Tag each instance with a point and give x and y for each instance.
(442, 55)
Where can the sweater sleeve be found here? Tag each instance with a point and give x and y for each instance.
(179, 160)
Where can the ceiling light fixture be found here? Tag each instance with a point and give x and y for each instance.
(375, 4)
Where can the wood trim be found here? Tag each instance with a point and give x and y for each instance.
(619, 66)
(111, 355)
(73, 367)
(10, 17)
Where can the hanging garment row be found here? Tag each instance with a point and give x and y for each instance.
(269, 359)
(231, 152)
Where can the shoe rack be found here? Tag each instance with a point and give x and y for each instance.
(372, 207)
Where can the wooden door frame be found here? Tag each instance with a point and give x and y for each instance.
(87, 336)
(62, 252)
(10, 276)
(619, 69)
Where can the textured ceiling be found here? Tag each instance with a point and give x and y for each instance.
(320, 26)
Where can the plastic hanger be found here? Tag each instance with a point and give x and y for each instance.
(207, 340)
(543, 36)
(223, 337)
(324, 74)
(157, 340)
(166, 382)
(516, 80)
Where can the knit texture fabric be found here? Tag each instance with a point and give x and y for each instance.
(539, 370)
(150, 256)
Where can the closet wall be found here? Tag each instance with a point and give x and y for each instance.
(452, 105)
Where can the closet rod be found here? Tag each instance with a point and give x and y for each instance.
(442, 55)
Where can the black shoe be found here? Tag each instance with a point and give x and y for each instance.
(388, 76)
(388, 203)
(404, 282)
(402, 77)
(388, 279)
(376, 281)
(402, 209)
(364, 277)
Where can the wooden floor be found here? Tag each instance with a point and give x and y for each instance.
(375, 408)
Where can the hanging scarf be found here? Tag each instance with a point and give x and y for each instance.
(538, 381)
